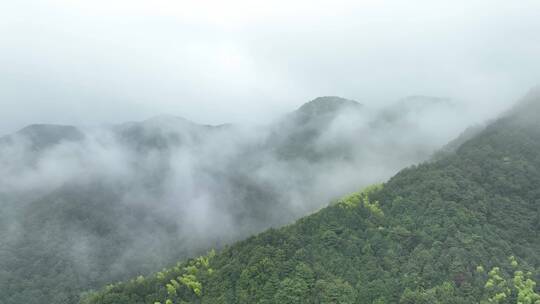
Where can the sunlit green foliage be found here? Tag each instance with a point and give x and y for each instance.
(519, 289)
(363, 199)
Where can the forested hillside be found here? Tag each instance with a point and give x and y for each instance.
(461, 229)
(83, 207)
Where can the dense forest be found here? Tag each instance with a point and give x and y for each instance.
(82, 208)
(463, 228)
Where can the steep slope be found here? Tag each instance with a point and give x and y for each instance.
(89, 211)
(428, 235)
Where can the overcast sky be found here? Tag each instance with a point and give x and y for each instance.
(108, 61)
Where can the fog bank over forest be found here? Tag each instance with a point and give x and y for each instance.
(110, 202)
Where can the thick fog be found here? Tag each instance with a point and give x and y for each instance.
(137, 133)
(214, 184)
(95, 62)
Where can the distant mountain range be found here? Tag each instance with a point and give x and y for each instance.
(86, 207)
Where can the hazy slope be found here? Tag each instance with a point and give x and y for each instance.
(428, 235)
(116, 201)
(42, 136)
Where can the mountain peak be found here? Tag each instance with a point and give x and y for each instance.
(44, 135)
(326, 105)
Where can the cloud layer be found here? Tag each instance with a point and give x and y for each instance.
(96, 62)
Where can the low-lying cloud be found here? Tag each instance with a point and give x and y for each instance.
(119, 200)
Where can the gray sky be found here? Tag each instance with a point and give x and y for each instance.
(107, 61)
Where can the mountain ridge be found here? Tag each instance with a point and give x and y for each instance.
(428, 235)
(41, 136)
(188, 188)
